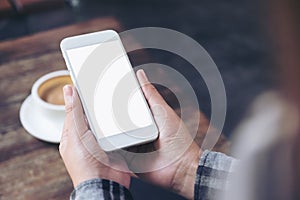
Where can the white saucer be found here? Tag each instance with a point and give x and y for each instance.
(42, 124)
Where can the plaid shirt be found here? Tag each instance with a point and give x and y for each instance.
(212, 178)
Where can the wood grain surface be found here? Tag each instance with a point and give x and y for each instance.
(30, 168)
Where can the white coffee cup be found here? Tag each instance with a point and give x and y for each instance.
(47, 91)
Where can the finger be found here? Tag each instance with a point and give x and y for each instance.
(64, 138)
(65, 131)
(163, 114)
(150, 92)
(74, 112)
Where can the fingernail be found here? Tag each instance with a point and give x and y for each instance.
(68, 93)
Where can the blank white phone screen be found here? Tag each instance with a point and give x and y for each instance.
(99, 85)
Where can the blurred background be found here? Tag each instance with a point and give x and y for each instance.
(234, 32)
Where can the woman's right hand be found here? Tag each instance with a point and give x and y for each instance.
(178, 175)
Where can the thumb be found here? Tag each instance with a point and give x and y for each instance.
(150, 92)
(74, 112)
(160, 109)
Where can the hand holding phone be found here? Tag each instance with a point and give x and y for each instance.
(81, 161)
(78, 159)
(113, 102)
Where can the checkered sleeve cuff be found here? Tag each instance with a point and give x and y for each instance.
(212, 175)
(96, 189)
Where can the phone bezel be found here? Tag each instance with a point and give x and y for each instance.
(121, 140)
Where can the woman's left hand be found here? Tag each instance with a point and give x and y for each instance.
(80, 151)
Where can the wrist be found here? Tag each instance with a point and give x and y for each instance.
(120, 177)
(185, 174)
(83, 178)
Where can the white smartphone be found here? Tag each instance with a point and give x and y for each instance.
(114, 104)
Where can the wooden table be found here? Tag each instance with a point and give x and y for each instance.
(30, 168)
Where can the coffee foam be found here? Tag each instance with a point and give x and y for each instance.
(51, 91)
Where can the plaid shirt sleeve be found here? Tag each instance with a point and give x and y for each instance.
(212, 176)
(96, 189)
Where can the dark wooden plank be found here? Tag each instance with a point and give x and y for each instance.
(9, 118)
(45, 42)
(39, 174)
(44, 62)
(17, 77)
(18, 142)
